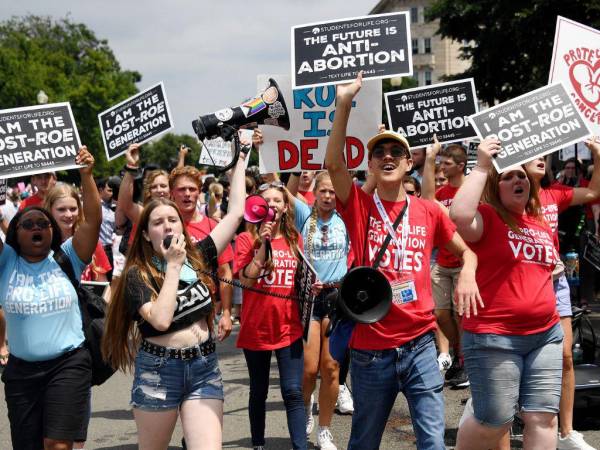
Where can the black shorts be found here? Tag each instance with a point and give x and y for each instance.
(48, 399)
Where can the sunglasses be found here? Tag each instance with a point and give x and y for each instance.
(274, 184)
(395, 152)
(30, 224)
(410, 192)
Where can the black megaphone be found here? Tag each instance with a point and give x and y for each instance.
(365, 295)
(267, 108)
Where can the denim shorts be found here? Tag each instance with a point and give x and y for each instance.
(511, 372)
(162, 383)
(563, 296)
(322, 305)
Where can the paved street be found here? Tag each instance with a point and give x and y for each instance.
(112, 426)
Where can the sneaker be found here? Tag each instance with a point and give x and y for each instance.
(444, 361)
(345, 404)
(573, 441)
(460, 379)
(310, 420)
(325, 439)
(453, 369)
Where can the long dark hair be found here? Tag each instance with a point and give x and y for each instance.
(11, 232)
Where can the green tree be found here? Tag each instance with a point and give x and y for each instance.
(165, 151)
(68, 62)
(510, 42)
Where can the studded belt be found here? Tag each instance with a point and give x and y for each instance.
(204, 349)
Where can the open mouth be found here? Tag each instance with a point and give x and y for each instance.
(519, 190)
(37, 238)
(388, 167)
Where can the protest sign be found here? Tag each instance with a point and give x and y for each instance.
(37, 139)
(311, 112)
(591, 251)
(471, 155)
(3, 186)
(576, 62)
(579, 151)
(531, 125)
(135, 120)
(218, 152)
(336, 50)
(442, 109)
(306, 276)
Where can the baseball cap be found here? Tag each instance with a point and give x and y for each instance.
(387, 135)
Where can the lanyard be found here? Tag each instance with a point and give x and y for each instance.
(391, 228)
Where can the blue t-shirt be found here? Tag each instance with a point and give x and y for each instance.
(330, 244)
(40, 305)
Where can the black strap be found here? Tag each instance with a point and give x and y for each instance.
(388, 238)
(65, 264)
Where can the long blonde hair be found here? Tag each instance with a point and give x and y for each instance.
(64, 190)
(121, 335)
(153, 175)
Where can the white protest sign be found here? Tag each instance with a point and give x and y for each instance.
(576, 62)
(3, 186)
(336, 50)
(311, 112)
(218, 152)
(37, 139)
(135, 120)
(579, 151)
(531, 125)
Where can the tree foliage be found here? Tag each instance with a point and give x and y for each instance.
(165, 151)
(510, 42)
(68, 62)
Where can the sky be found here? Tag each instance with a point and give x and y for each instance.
(207, 53)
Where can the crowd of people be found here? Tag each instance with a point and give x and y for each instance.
(480, 295)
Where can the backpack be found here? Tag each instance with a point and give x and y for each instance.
(93, 311)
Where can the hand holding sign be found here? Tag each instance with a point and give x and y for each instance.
(348, 91)
(132, 155)
(486, 151)
(434, 149)
(594, 146)
(85, 159)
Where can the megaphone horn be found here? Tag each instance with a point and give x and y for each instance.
(365, 295)
(257, 210)
(267, 108)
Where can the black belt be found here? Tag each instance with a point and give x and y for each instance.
(204, 349)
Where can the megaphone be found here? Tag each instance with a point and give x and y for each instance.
(267, 108)
(365, 295)
(257, 210)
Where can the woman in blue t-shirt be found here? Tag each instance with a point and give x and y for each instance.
(48, 376)
(326, 246)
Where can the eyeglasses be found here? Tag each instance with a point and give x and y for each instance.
(30, 224)
(325, 235)
(274, 184)
(410, 192)
(395, 152)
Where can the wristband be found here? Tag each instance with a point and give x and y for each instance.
(130, 169)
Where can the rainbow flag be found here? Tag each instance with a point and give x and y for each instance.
(254, 106)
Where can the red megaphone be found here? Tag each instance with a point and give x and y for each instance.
(257, 210)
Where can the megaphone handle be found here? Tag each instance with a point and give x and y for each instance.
(236, 147)
(268, 251)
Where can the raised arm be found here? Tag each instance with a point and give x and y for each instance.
(463, 210)
(125, 201)
(334, 156)
(223, 233)
(428, 181)
(183, 151)
(86, 236)
(591, 193)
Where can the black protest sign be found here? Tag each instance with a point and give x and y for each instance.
(591, 251)
(37, 139)
(532, 125)
(135, 120)
(3, 186)
(442, 109)
(306, 276)
(335, 51)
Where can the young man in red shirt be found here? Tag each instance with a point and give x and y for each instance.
(185, 183)
(444, 274)
(396, 354)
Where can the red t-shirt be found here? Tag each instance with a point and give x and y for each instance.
(99, 265)
(308, 196)
(32, 200)
(445, 195)
(429, 227)
(514, 275)
(199, 230)
(554, 200)
(268, 322)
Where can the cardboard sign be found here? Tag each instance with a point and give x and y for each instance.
(579, 151)
(531, 125)
(311, 112)
(135, 120)
(3, 187)
(336, 50)
(217, 152)
(306, 276)
(37, 139)
(576, 62)
(591, 251)
(442, 109)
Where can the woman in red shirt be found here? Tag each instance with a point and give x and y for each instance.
(513, 346)
(272, 322)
